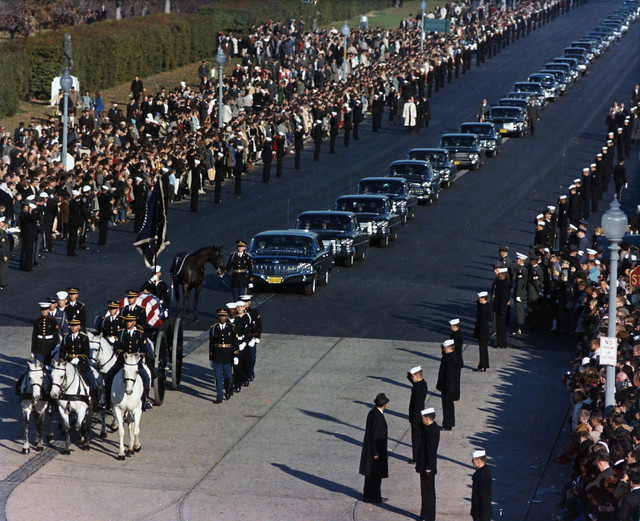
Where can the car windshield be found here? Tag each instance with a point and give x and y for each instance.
(325, 222)
(526, 87)
(361, 205)
(381, 187)
(512, 102)
(505, 112)
(457, 141)
(405, 170)
(424, 155)
(545, 80)
(475, 129)
(282, 243)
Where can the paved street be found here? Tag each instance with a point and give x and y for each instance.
(288, 446)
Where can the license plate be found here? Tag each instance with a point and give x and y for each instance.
(274, 280)
(456, 162)
(508, 126)
(503, 131)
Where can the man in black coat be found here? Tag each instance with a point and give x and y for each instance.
(448, 384)
(424, 113)
(357, 118)
(267, 159)
(416, 404)
(630, 504)
(139, 203)
(575, 205)
(280, 153)
(427, 463)
(586, 193)
(298, 145)
(481, 330)
(532, 116)
(620, 177)
(481, 488)
(29, 235)
(316, 134)
(333, 132)
(377, 108)
(500, 306)
(346, 126)
(374, 460)
(105, 212)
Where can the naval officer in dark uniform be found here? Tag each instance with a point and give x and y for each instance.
(419, 392)
(426, 463)
(481, 489)
(239, 265)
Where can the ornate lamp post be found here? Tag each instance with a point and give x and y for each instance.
(221, 59)
(423, 6)
(345, 32)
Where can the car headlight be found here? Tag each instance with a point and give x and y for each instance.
(346, 243)
(402, 204)
(474, 157)
(305, 266)
(382, 224)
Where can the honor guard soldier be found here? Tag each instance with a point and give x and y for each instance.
(60, 313)
(481, 330)
(222, 344)
(158, 287)
(448, 384)
(298, 145)
(239, 265)
(75, 308)
(110, 325)
(131, 308)
(243, 333)
(131, 340)
(458, 340)
(45, 335)
(74, 349)
(255, 326)
(419, 392)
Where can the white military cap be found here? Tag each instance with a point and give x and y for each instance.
(62, 295)
(478, 454)
(448, 342)
(591, 251)
(454, 321)
(44, 194)
(483, 294)
(428, 410)
(31, 197)
(241, 303)
(44, 305)
(502, 270)
(156, 268)
(231, 305)
(415, 369)
(86, 188)
(521, 255)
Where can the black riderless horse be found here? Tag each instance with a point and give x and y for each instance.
(187, 271)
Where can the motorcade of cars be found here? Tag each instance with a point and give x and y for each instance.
(490, 139)
(513, 102)
(587, 46)
(571, 62)
(464, 149)
(424, 182)
(439, 160)
(535, 88)
(562, 81)
(570, 74)
(374, 215)
(510, 121)
(548, 82)
(398, 190)
(349, 242)
(290, 258)
(580, 55)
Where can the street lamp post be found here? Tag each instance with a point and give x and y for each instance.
(221, 59)
(423, 6)
(65, 84)
(614, 225)
(345, 32)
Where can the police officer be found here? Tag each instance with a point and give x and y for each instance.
(110, 325)
(158, 287)
(74, 348)
(239, 264)
(75, 308)
(520, 290)
(222, 344)
(44, 337)
(255, 329)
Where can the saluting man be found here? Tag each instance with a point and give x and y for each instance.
(45, 335)
(222, 344)
(239, 265)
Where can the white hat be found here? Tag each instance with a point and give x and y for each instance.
(156, 268)
(591, 252)
(281, 133)
(540, 216)
(44, 194)
(75, 192)
(573, 227)
(454, 321)
(231, 305)
(478, 454)
(196, 162)
(138, 178)
(86, 188)
(428, 410)
(572, 187)
(415, 369)
(581, 253)
(44, 305)
(586, 361)
(241, 303)
(502, 270)
(483, 294)
(334, 113)
(246, 298)
(106, 187)
(521, 255)
(31, 205)
(586, 169)
(165, 169)
(2, 218)
(551, 208)
(448, 342)
(31, 197)
(541, 223)
(220, 154)
(577, 180)
(593, 165)
(562, 197)
(62, 295)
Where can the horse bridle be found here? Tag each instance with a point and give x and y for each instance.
(131, 379)
(94, 361)
(55, 384)
(41, 370)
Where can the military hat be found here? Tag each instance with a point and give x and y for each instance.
(454, 321)
(75, 322)
(132, 294)
(415, 369)
(478, 454)
(541, 223)
(577, 181)
(240, 303)
(240, 242)
(156, 268)
(502, 247)
(502, 270)
(428, 410)
(86, 188)
(62, 295)
(44, 305)
(75, 192)
(551, 208)
(2, 218)
(572, 187)
(246, 298)
(448, 342)
(52, 300)
(222, 312)
(72, 291)
(112, 304)
(32, 206)
(129, 318)
(43, 194)
(483, 294)
(591, 251)
(520, 255)
(562, 197)
(381, 400)
(31, 197)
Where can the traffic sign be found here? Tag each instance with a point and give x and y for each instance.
(608, 350)
(634, 278)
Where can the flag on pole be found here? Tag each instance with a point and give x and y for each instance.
(151, 239)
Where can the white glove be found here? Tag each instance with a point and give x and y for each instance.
(242, 346)
(257, 340)
(518, 299)
(236, 361)
(252, 342)
(250, 286)
(626, 184)
(211, 363)
(75, 361)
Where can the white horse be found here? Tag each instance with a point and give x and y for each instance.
(35, 385)
(126, 402)
(73, 395)
(103, 358)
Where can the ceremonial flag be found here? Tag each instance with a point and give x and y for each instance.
(151, 238)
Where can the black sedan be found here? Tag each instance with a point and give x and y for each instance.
(339, 229)
(424, 183)
(439, 160)
(490, 140)
(398, 190)
(374, 215)
(290, 258)
(464, 149)
(511, 121)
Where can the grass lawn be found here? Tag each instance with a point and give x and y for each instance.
(388, 18)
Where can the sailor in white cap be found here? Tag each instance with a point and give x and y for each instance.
(317, 134)
(281, 152)
(427, 463)
(416, 404)
(60, 313)
(535, 291)
(448, 384)
(520, 290)
(481, 489)
(481, 331)
(106, 211)
(298, 145)
(333, 132)
(158, 287)
(457, 337)
(500, 306)
(255, 329)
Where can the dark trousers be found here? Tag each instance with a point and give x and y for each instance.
(238, 177)
(252, 353)
(72, 240)
(585, 205)
(415, 441)
(279, 166)
(347, 132)
(501, 329)
(484, 354)
(428, 493)
(372, 492)
(296, 163)
(332, 143)
(139, 219)
(217, 191)
(595, 197)
(82, 238)
(619, 188)
(222, 372)
(355, 131)
(316, 151)
(194, 201)
(448, 411)
(4, 272)
(26, 255)
(266, 171)
(238, 292)
(103, 227)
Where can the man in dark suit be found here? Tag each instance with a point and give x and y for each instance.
(416, 404)
(481, 487)
(532, 116)
(500, 305)
(448, 384)
(374, 460)
(426, 463)
(630, 504)
(483, 110)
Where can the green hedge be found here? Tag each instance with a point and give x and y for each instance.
(111, 53)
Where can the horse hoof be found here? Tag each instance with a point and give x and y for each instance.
(136, 449)
(86, 447)
(103, 434)
(121, 457)
(26, 451)
(130, 453)
(39, 448)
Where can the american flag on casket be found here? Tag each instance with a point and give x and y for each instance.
(152, 306)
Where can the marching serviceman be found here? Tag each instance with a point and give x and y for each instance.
(222, 344)
(426, 463)
(74, 348)
(239, 264)
(243, 334)
(45, 335)
(416, 404)
(109, 326)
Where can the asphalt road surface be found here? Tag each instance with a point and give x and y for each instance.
(287, 447)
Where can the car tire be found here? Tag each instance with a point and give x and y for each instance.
(310, 289)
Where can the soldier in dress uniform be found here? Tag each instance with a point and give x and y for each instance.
(563, 221)
(75, 221)
(44, 337)
(586, 194)
(109, 326)
(75, 308)
(426, 462)
(74, 348)
(596, 182)
(317, 135)
(239, 168)
(255, 329)
(575, 205)
(222, 344)
(520, 290)
(158, 287)
(105, 213)
(85, 205)
(333, 132)
(239, 265)
(281, 151)
(458, 340)
(535, 289)
(242, 324)
(131, 308)
(267, 159)
(60, 313)
(501, 307)
(357, 118)
(419, 391)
